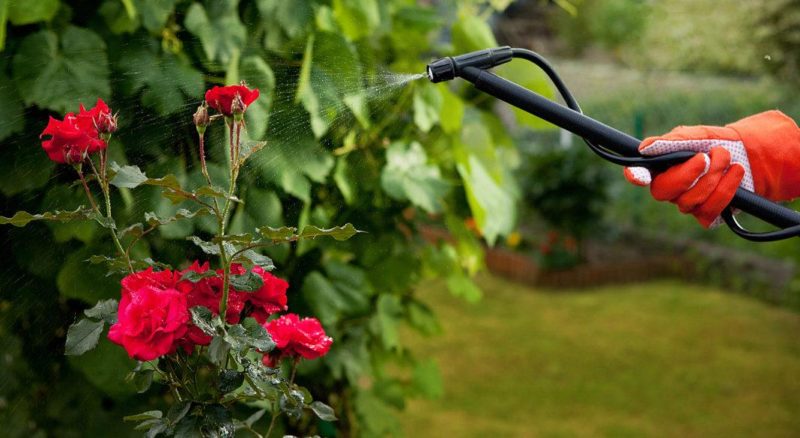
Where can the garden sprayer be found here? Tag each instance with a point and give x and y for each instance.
(607, 142)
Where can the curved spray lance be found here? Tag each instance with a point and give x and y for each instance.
(609, 143)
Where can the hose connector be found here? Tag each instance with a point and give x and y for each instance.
(445, 69)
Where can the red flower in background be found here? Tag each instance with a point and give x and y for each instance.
(72, 139)
(153, 315)
(295, 337)
(221, 98)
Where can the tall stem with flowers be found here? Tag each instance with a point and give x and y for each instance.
(213, 337)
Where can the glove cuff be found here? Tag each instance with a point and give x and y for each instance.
(772, 141)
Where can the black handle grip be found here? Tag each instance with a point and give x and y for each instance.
(612, 139)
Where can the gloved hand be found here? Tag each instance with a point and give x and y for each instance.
(760, 153)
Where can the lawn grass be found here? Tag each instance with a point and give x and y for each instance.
(656, 359)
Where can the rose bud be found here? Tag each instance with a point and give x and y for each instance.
(237, 107)
(106, 123)
(201, 118)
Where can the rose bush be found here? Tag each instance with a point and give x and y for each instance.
(177, 322)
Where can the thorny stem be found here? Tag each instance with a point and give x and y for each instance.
(86, 188)
(203, 167)
(102, 179)
(222, 222)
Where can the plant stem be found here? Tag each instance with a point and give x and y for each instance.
(88, 192)
(222, 223)
(103, 181)
(203, 167)
(275, 415)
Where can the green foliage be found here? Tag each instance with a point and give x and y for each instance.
(344, 145)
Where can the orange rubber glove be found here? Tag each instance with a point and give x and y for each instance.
(760, 153)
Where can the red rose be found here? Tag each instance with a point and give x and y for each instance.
(97, 119)
(77, 136)
(68, 142)
(295, 337)
(153, 315)
(220, 98)
(270, 298)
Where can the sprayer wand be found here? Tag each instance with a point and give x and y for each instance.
(609, 143)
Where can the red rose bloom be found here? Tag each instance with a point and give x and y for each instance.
(295, 337)
(77, 136)
(98, 119)
(153, 315)
(68, 142)
(220, 98)
(270, 298)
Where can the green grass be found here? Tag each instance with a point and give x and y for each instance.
(657, 359)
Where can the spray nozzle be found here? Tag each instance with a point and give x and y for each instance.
(448, 68)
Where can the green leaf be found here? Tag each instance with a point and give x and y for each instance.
(154, 13)
(106, 368)
(118, 17)
(293, 163)
(210, 247)
(22, 12)
(178, 411)
(218, 351)
(166, 81)
(149, 415)
(342, 232)
(205, 320)
(58, 72)
(250, 258)
(408, 176)
(11, 112)
(427, 379)
(3, 20)
(248, 282)
(195, 276)
(229, 380)
(130, 177)
(22, 218)
(105, 310)
(422, 318)
(323, 411)
(451, 112)
(83, 336)
(427, 106)
(278, 234)
(472, 33)
(249, 334)
(493, 207)
(357, 18)
(389, 313)
(462, 286)
(142, 380)
(153, 220)
(218, 27)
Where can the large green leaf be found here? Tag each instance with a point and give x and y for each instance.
(293, 163)
(83, 336)
(357, 18)
(154, 13)
(472, 33)
(11, 111)
(427, 106)
(493, 207)
(291, 16)
(22, 218)
(59, 71)
(408, 175)
(330, 81)
(22, 12)
(166, 81)
(106, 367)
(218, 27)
